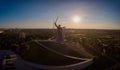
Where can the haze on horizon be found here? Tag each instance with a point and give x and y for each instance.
(94, 14)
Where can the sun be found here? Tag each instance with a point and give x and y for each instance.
(77, 19)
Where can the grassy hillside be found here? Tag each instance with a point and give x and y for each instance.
(68, 49)
(40, 55)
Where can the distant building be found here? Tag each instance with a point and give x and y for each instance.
(22, 35)
(13, 30)
(1, 31)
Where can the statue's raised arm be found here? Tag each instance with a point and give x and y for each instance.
(56, 25)
(56, 22)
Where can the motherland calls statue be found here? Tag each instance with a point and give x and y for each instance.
(59, 33)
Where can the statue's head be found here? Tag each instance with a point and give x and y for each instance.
(59, 25)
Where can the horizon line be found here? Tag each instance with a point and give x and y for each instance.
(65, 28)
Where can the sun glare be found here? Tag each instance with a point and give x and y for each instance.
(76, 19)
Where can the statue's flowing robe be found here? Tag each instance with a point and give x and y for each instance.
(59, 35)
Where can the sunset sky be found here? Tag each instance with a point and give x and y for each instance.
(94, 14)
